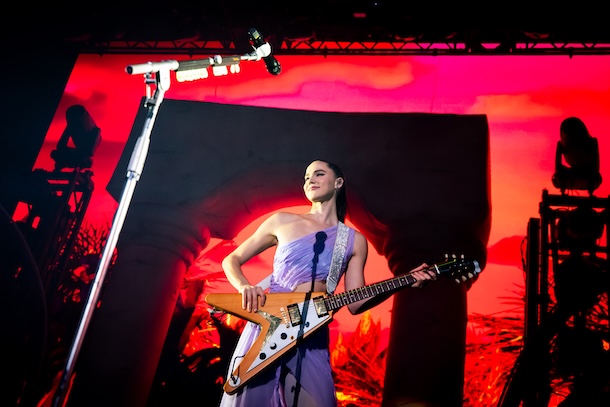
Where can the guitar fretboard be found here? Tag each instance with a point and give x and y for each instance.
(334, 302)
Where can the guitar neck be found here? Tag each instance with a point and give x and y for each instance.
(336, 301)
(452, 265)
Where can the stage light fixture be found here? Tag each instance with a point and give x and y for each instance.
(576, 158)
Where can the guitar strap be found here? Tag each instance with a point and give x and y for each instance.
(338, 255)
(335, 266)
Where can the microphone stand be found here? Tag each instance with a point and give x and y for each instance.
(187, 70)
(134, 170)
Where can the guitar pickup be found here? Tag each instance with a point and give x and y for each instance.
(294, 314)
(318, 303)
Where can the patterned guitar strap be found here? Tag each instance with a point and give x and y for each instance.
(338, 255)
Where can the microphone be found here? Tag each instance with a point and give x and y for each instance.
(273, 66)
(318, 246)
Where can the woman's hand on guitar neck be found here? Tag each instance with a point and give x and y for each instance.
(422, 274)
(252, 297)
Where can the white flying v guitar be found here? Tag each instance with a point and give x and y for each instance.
(288, 318)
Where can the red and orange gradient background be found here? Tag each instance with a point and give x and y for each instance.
(525, 99)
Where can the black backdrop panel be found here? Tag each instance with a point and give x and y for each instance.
(418, 186)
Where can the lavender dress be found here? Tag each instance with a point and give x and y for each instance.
(293, 265)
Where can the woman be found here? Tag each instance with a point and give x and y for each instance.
(303, 376)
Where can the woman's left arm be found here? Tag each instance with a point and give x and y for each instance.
(354, 274)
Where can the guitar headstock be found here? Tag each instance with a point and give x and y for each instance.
(459, 267)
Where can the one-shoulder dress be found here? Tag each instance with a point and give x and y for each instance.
(293, 264)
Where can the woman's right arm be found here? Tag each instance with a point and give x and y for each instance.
(262, 239)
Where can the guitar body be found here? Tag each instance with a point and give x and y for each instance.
(285, 319)
(288, 318)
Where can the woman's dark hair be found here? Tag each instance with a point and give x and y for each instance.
(341, 196)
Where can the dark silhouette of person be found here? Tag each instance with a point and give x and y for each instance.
(78, 142)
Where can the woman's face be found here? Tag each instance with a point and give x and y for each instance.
(320, 182)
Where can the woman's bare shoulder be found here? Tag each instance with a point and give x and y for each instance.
(285, 217)
(279, 219)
